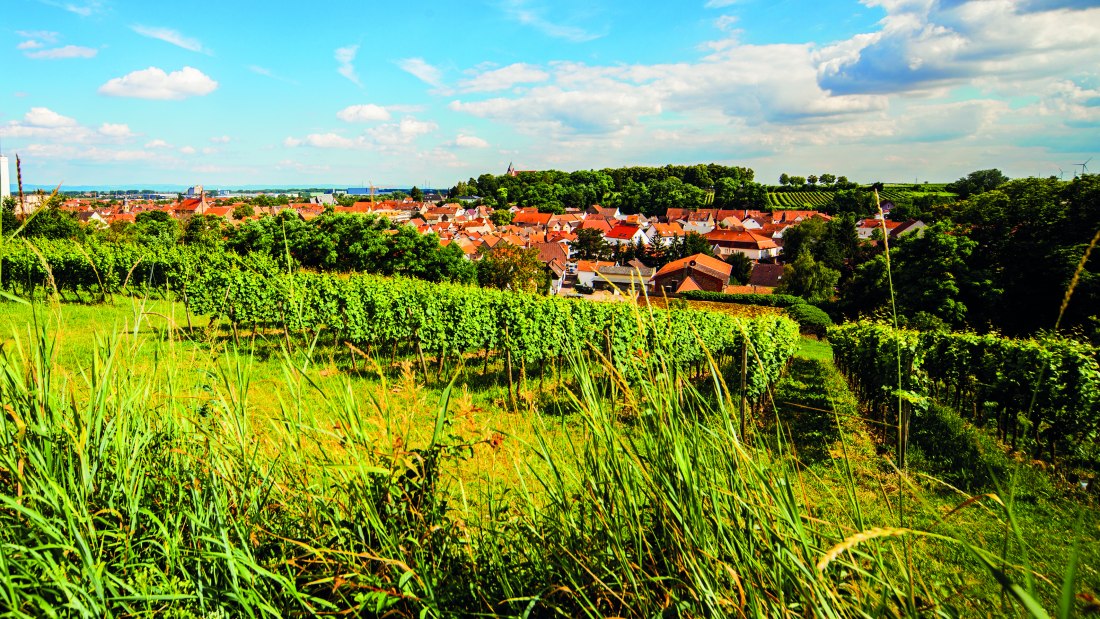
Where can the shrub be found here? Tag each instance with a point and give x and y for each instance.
(767, 300)
(810, 318)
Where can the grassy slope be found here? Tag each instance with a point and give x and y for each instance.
(480, 407)
(806, 402)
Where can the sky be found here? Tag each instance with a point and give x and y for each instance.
(347, 93)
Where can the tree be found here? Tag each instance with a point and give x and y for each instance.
(243, 211)
(827, 179)
(812, 180)
(784, 179)
(512, 268)
(797, 181)
(695, 243)
(979, 181)
(501, 217)
(418, 196)
(9, 223)
(742, 268)
(203, 230)
(809, 279)
(930, 272)
(589, 244)
(156, 228)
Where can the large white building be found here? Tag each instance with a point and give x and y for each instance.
(5, 178)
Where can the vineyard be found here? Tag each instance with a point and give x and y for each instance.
(800, 199)
(1041, 396)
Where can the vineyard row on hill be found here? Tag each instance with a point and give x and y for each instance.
(373, 313)
(1041, 395)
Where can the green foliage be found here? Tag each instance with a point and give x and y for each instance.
(979, 181)
(372, 312)
(243, 211)
(810, 318)
(766, 300)
(589, 244)
(742, 268)
(513, 268)
(809, 279)
(501, 217)
(992, 379)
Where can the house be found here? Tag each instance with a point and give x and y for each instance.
(587, 269)
(665, 234)
(530, 220)
(624, 278)
(626, 234)
(698, 272)
(755, 246)
(866, 228)
(700, 222)
(765, 278)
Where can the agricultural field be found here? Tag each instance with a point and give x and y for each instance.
(800, 199)
(226, 469)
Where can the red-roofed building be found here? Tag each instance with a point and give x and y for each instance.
(755, 246)
(626, 234)
(698, 272)
(530, 220)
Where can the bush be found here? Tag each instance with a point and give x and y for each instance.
(810, 318)
(767, 300)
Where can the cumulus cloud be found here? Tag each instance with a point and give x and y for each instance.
(221, 139)
(45, 117)
(158, 143)
(171, 36)
(470, 141)
(115, 130)
(384, 137)
(29, 44)
(345, 56)
(368, 112)
(188, 150)
(504, 78)
(423, 71)
(48, 36)
(155, 83)
(59, 53)
(929, 45)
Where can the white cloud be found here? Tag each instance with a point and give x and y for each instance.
(368, 112)
(68, 51)
(725, 23)
(221, 139)
(718, 4)
(29, 44)
(47, 118)
(158, 143)
(325, 140)
(169, 35)
(346, 57)
(46, 35)
(470, 141)
(520, 11)
(115, 130)
(264, 71)
(188, 150)
(423, 71)
(154, 83)
(83, 9)
(401, 133)
(504, 77)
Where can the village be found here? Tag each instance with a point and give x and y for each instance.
(755, 234)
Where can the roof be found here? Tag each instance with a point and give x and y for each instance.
(549, 252)
(591, 266)
(597, 224)
(698, 260)
(627, 270)
(740, 238)
(531, 219)
(672, 229)
(766, 275)
(622, 232)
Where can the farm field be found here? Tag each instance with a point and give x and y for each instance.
(263, 437)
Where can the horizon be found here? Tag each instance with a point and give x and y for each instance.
(115, 93)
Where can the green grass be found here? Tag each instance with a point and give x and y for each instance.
(814, 349)
(147, 469)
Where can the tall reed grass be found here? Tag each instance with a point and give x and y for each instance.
(122, 496)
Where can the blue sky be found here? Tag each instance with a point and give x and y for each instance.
(345, 93)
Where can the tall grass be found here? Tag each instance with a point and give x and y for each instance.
(121, 495)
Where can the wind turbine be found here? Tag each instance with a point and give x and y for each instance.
(1084, 167)
(1061, 174)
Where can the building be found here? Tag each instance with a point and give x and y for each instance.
(698, 272)
(755, 246)
(5, 178)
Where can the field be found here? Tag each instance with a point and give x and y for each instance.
(159, 469)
